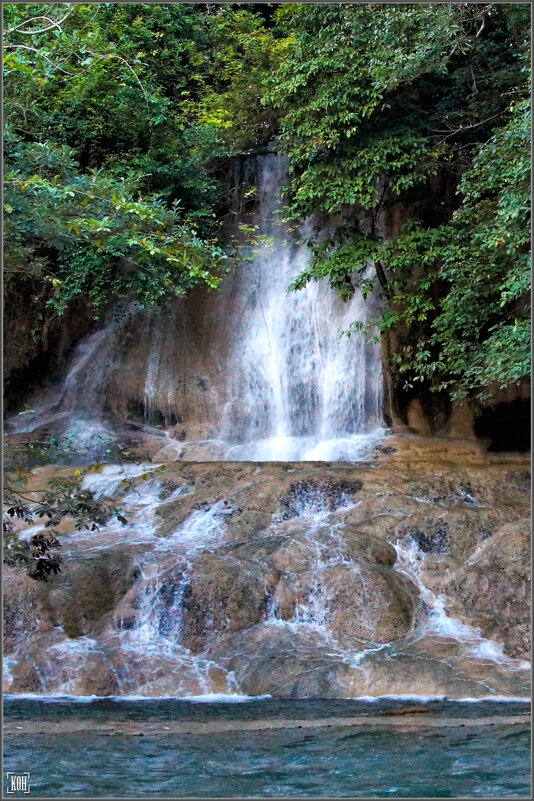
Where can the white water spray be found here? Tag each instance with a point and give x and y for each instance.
(410, 561)
(300, 389)
(296, 387)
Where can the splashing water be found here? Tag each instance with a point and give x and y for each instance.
(410, 561)
(165, 576)
(153, 661)
(325, 542)
(73, 410)
(300, 389)
(146, 658)
(141, 646)
(323, 539)
(292, 386)
(80, 392)
(159, 618)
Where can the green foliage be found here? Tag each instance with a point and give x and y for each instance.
(243, 54)
(117, 119)
(343, 89)
(87, 233)
(482, 329)
(423, 106)
(62, 497)
(461, 288)
(122, 120)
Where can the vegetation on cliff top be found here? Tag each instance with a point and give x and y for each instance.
(424, 107)
(121, 122)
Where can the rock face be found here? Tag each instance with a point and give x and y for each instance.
(408, 574)
(32, 356)
(492, 589)
(221, 596)
(23, 598)
(83, 596)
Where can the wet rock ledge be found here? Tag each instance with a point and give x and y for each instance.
(285, 578)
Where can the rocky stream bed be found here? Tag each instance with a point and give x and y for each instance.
(406, 574)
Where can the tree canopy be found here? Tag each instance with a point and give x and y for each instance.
(122, 121)
(424, 107)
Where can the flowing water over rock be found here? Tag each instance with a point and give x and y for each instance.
(256, 560)
(300, 389)
(289, 384)
(139, 652)
(72, 410)
(285, 580)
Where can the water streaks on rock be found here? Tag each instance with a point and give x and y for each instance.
(325, 580)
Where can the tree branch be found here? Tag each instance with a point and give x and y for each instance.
(54, 24)
(381, 275)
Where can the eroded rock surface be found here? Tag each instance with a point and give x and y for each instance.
(407, 574)
(492, 588)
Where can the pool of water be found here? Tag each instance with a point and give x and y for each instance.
(269, 749)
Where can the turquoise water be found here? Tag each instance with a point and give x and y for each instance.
(481, 754)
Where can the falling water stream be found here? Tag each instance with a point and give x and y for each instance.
(300, 388)
(297, 387)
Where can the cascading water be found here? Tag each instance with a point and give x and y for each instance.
(299, 388)
(292, 388)
(156, 633)
(324, 541)
(290, 385)
(326, 546)
(81, 389)
(74, 408)
(439, 624)
(145, 656)
(212, 609)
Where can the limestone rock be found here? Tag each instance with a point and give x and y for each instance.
(299, 591)
(87, 589)
(22, 607)
(221, 596)
(492, 589)
(370, 602)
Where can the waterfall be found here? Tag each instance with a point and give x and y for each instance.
(284, 381)
(81, 389)
(300, 389)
